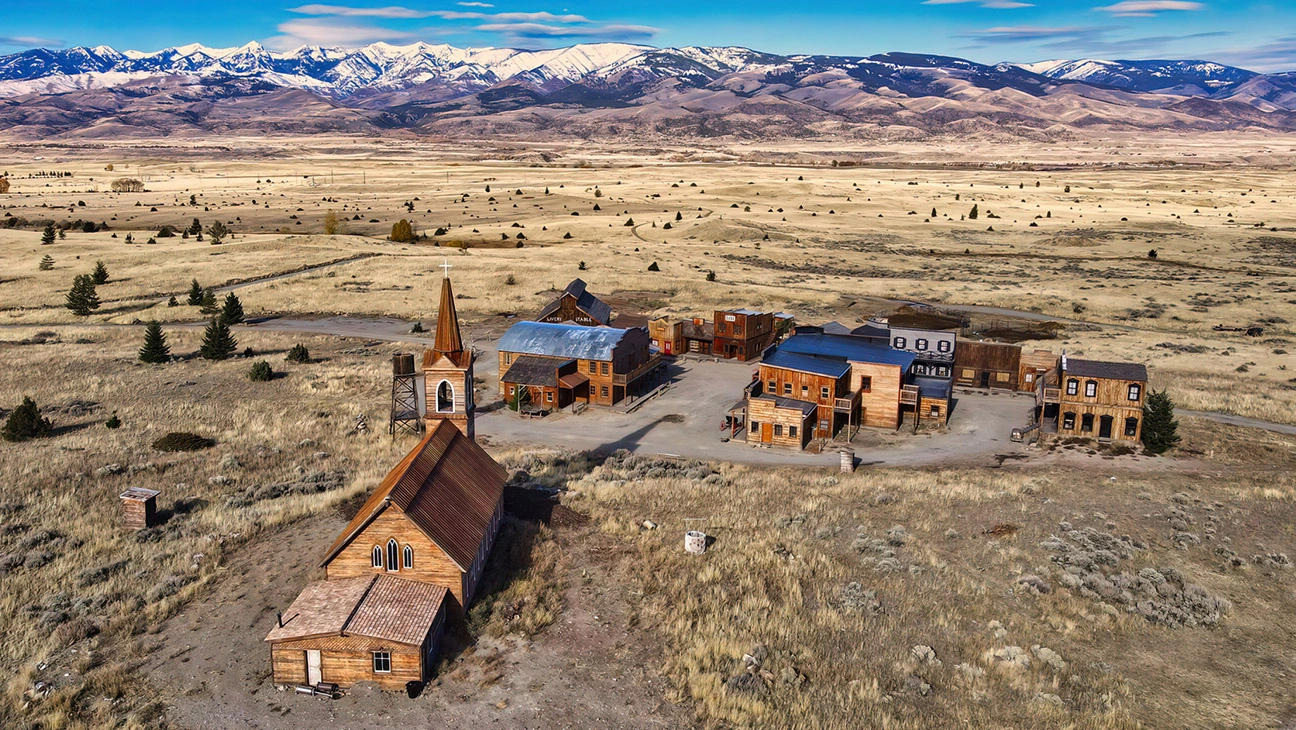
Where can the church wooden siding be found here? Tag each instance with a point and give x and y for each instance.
(431, 564)
(880, 402)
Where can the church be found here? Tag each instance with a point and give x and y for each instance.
(413, 557)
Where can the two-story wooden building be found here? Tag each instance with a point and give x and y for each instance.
(667, 335)
(577, 305)
(610, 364)
(1094, 398)
(742, 334)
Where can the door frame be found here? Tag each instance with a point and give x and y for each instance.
(318, 674)
(766, 433)
(1105, 425)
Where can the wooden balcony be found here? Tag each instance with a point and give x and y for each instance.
(909, 395)
(848, 404)
(653, 362)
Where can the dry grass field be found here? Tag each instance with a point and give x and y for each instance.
(1039, 594)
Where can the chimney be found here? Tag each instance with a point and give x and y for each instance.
(279, 618)
(1064, 361)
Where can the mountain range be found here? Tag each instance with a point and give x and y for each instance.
(617, 89)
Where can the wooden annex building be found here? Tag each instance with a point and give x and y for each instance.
(1094, 399)
(565, 363)
(412, 558)
(578, 306)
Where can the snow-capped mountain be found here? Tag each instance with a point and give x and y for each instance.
(699, 91)
(1201, 77)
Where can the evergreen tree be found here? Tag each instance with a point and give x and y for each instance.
(208, 303)
(82, 298)
(711, 276)
(261, 372)
(195, 228)
(218, 343)
(217, 232)
(1160, 429)
(155, 349)
(25, 423)
(298, 353)
(195, 294)
(47, 263)
(653, 267)
(232, 311)
(100, 273)
(933, 213)
(47, 237)
(974, 213)
(172, 302)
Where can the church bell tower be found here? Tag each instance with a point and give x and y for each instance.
(448, 369)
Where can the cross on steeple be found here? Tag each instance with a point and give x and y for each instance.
(446, 266)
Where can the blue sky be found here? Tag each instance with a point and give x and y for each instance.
(1257, 35)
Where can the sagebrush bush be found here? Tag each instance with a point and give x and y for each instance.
(261, 372)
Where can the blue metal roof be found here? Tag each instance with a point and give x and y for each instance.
(561, 340)
(933, 387)
(830, 366)
(846, 347)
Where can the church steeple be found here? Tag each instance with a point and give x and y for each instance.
(448, 369)
(448, 341)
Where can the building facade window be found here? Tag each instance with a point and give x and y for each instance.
(408, 557)
(823, 392)
(1135, 392)
(1068, 421)
(603, 391)
(1091, 388)
(778, 429)
(968, 374)
(755, 427)
(1030, 378)
(935, 410)
(382, 662)
(900, 343)
(824, 426)
(787, 389)
(549, 396)
(1001, 377)
(1073, 386)
(773, 386)
(392, 565)
(792, 430)
(805, 390)
(593, 368)
(603, 368)
(921, 344)
(943, 345)
(866, 383)
(377, 557)
(1086, 423)
(1131, 427)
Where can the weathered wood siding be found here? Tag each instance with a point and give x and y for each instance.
(568, 312)
(287, 664)
(881, 401)
(763, 412)
(1111, 398)
(667, 336)
(431, 564)
(631, 352)
(974, 361)
(1032, 367)
(807, 387)
(742, 336)
(462, 400)
(933, 410)
(139, 514)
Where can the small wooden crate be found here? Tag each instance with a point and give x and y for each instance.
(139, 508)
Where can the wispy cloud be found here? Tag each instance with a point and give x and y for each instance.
(335, 32)
(1035, 34)
(540, 31)
(396, 11)
(475, 5)
(30, 41)
(1148, 8)
(1274, 56)
(391, 11)
(997, 4)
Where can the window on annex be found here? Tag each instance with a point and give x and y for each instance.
(382, 662)
(792, 431)
(1091, 388)
(778, 429)
(755, 427)
(549, 396)
(1135, 392)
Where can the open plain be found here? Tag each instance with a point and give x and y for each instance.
(956, 579)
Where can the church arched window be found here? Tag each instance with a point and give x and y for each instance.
(445, 397)
(408, 556)
(377, 558)
(392, 565)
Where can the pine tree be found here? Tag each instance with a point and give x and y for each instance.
(1160, 429)
(298, 353)
(933, 213)
(47, 237)
(82, 298)
(208, 304)
(218, 343)
(155, 349)
(232, 310)
(47, 263)
(25, 423)
(195, 294)
(974, 213)
(217, 232)
(653, 267)
(100, 273)
(195, 228)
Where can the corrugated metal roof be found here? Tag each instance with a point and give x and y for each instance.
(845, 347)
(835, 328)
(830, 366)
(1109, 370)
(448, 486)
(561, 340)
(375, 606)
(933, 387)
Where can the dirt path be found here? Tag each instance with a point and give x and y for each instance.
(586, 670)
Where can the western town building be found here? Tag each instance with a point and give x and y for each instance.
(411, 559)
(578, 306)
(566, 363)
(1094, 398)
(742, 334)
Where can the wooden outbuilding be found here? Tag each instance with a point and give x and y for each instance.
(578, 306)
(699, 336)
(139, 507)
(615, 363)
(667, 335)
(368, 628)
(1034, 366)
(550, 383)
(987, 364)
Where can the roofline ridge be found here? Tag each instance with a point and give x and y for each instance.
(356, 608)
